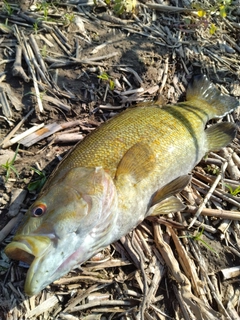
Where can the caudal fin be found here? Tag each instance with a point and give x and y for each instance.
(203, 89)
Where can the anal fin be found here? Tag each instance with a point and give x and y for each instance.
(170, 189)
(168, 205)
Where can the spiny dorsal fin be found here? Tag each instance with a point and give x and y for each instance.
(168, 205)
(219, 135)
(171, 188)
(137, 162)
(202, 89)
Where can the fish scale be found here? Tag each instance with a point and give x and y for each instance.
(107, 145)
(129, 168)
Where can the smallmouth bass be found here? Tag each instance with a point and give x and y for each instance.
(127, 169)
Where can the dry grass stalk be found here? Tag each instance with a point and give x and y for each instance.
(46, 305)
(57, 103)
(188, 267)
(223, 214)
(15, 101)
(200, 310)
(230, 272)
(168, 9)
(67, 138)
(20, 136)
(10, 225)
(223, 195)
(209, 194)
(5, 105)
(27, 55)
(5, 142)
(17, 70)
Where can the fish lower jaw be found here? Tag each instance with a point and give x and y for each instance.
(48, 268)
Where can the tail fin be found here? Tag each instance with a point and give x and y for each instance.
(202, 89)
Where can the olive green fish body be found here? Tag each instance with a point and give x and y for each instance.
(127, 169)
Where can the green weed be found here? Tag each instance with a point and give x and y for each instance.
(35, 27)
(39, 182)
(197, 237)
(68, 18)
(9, 166)
(104, 76)
(234, 192)
(212, 169)
(121, 6)
(44, 8)
(44, 51)
(7, 7)
(204, 11)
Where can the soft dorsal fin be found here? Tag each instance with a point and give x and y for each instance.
(137, 162)
(168, 205)
(219, 135)
(171, 188)
(201, 88)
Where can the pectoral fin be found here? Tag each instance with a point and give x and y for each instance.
(220, 135)
(170, 189)
(168, 205)
(137, 163)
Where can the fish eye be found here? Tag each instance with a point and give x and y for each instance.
(39, 210)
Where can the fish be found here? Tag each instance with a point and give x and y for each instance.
(129, 168)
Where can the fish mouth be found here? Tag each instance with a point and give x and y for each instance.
(26, 248)
(29, 249)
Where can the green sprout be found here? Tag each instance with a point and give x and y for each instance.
(39, 182)
(68, 18)
(197, 237)
(104, 76)
(44, 51)
(35, 27)
(234, 192)
(7, 7)
(212, 169)
(45, 11)
(5, 28)
(9, 165)
(41, 94)
(44, 6)
(121, 6)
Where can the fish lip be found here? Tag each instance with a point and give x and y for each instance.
(21, 250)
(33, 250)
(30, 249)
(29, 288)
(32, 285)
